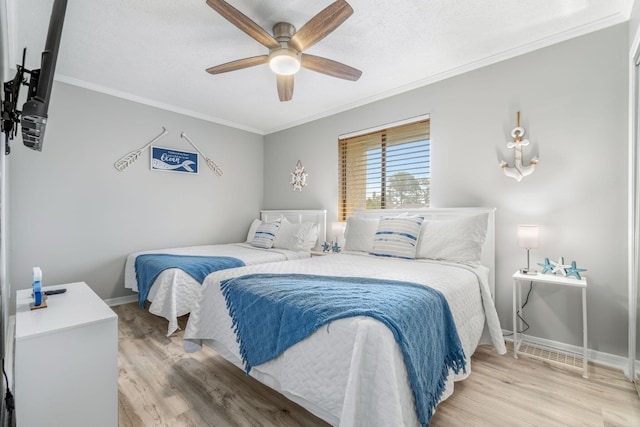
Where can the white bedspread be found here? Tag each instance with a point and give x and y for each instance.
(351, 372)
(174, 292)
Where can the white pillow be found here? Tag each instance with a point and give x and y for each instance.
(359, 234)
(455, 240)
(252, 229)
(397, 237)
(265, 235)
(309, 233)
(288, 236)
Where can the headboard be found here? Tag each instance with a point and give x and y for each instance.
(299, 216)
(431, 214)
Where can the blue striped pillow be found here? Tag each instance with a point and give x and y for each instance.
(265, 234)
(397, 237)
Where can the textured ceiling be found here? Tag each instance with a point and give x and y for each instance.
(156, 51)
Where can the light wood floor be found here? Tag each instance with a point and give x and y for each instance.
(161, 385)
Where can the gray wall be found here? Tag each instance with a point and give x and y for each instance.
(573, 99)
(634, 27)
(74, 215)
(634, 21)
(5, 289)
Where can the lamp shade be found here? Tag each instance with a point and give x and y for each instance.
(337, 230)
(528, 236)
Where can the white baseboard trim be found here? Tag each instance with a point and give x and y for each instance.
(121, 300)
(599, 357)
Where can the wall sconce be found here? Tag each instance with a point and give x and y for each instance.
(528, 238)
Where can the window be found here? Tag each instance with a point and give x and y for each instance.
(384, 169)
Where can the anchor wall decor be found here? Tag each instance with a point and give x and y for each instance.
(519, 170)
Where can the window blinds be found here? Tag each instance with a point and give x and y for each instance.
(385, 169)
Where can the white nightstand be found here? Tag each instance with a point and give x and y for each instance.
(535, 352)
(66, 360)
(320, 253)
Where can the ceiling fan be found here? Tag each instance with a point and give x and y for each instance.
(286, 45)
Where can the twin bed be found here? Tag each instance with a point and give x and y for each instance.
(355, 370)
(173, 292)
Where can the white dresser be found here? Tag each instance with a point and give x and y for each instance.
(66, 360)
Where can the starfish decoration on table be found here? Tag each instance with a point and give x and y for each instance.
(575, 271)
(326, 247)
(546, 267)
(559, 267)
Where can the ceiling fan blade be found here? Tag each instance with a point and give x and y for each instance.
(285, 87)
(239, 64)
(329, 67)
(241, 21)
(321, 25)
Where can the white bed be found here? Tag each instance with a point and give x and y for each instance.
(352, 372)
(174, 292)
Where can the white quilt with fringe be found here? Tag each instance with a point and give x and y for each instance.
(174, 292)
(351, 372)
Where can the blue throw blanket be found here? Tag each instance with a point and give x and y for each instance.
(272, 312)
(148, 267)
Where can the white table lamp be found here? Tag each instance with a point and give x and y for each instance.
(528, 238)
(337, 232)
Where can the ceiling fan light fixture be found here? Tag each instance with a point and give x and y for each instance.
(286, 45)
(284, 62)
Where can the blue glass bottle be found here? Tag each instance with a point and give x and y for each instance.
(37, 286)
